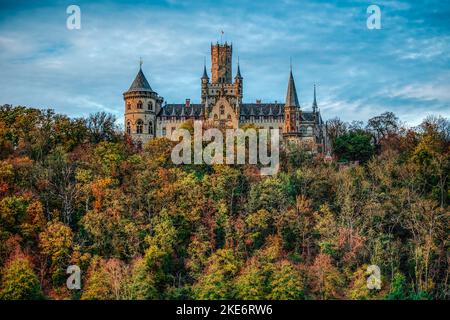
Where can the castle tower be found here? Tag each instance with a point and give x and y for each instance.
(221, 85)
(204, 84)
(291, 108)
(142, 104)
(221, 55)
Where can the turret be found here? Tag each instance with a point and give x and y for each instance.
(142, 104)
(314, 105)
(238, 84)
(205, 82)
(291, 107)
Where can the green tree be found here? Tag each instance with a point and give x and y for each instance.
(216, 283)
(354, 146)
(19, 282)
(55, 243)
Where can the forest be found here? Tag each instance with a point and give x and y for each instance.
(77, 191)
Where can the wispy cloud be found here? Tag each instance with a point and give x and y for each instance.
(404, 67)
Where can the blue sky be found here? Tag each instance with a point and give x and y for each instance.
(404, 67)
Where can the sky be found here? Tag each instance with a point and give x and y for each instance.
(404, 67)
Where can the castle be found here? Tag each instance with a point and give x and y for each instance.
(221, 106)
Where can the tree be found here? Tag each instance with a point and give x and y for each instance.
(270, 193)
(19, 282)
(101, 127)
(286, 283)
(6, 146)
(34, 221)
(12, 213)
(55, 243)
(216, 283)
(354, 146)
(327, 281)
(251, 284)
(97, 285)
(335, 128)
(142, 285)
(383, 125)
(56, 179)
(398, 290)
(259, 226)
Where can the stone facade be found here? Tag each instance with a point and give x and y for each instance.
(221, 106)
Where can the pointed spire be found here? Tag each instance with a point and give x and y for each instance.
(205, 74)
(291, 95)
(315, 100)
(140, 83)
(238, 73)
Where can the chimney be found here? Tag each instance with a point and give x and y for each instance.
(188, 102)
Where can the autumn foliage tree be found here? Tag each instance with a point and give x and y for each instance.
(77, 191)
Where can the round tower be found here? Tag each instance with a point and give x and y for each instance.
(142, 104)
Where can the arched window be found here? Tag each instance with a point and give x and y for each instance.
(150, 105)
(229, 117)
(129, 106)
(164, 131)
(139, 127)
(215, 117)
(222, 110)
(139, 105)
(128, 127)
(150, 127)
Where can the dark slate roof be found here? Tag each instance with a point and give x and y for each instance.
(205, 74)
(262, 109)
(307, 116)
(140, 83)
(181, 110)
(246, 110)
(315, 100)
(291, 95)
(238, 73)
